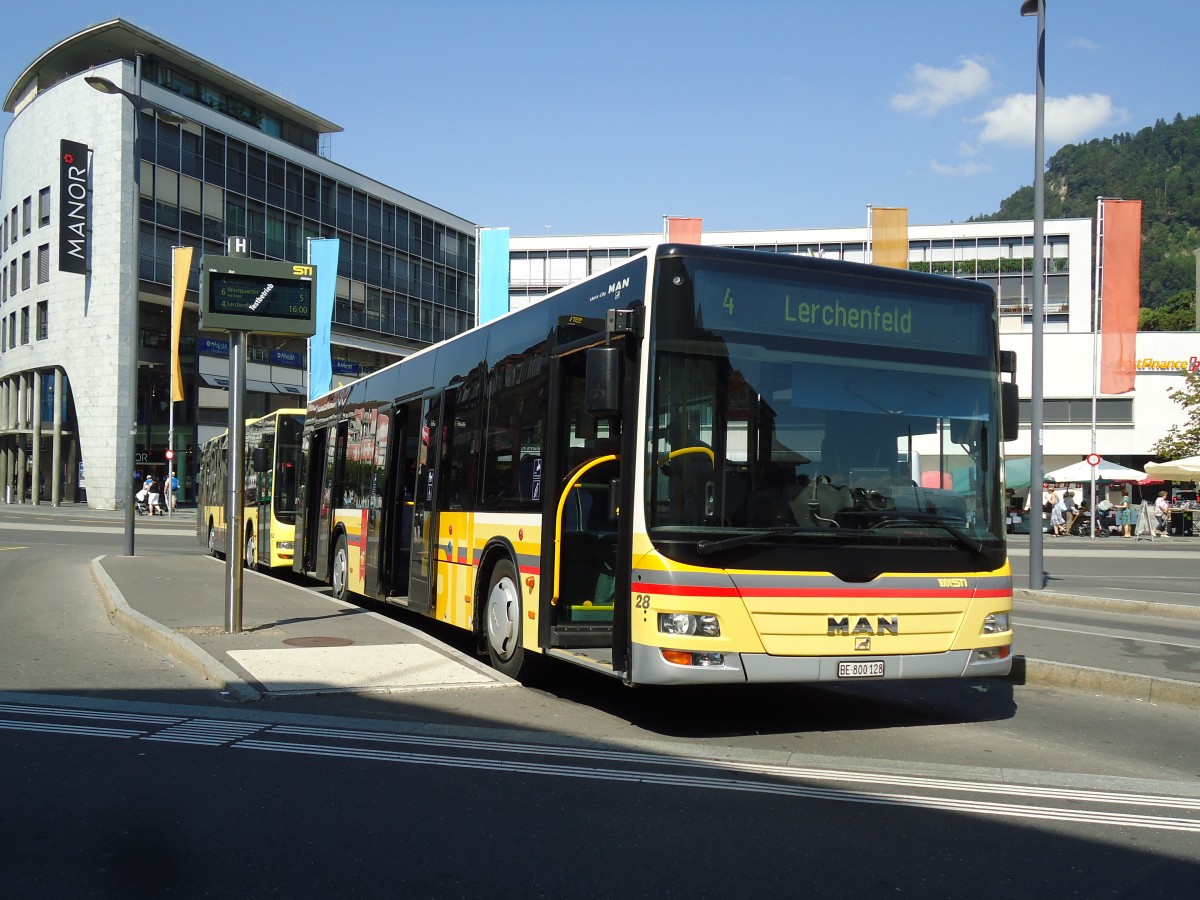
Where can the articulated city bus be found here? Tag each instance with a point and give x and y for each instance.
(269, 491)
(703, 465)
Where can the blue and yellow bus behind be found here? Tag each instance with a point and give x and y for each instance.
(270, 489)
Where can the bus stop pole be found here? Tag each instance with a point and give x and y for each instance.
(237, 476)
(237, 246)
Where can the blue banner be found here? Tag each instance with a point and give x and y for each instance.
(343, 367)
(287, 358)
(322, 253)
(493, 273)
(212, 347)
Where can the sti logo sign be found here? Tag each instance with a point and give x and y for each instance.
(73, 234)
(262, 296)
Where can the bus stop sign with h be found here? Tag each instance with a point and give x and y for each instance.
(244, 296)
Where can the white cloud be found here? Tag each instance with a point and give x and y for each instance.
(935, 89)
(966, 169)
(1082, 43)
(1067, 119)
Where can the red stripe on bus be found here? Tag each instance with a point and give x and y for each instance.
(675, 590)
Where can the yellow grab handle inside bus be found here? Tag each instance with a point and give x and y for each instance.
(683, 451)
(562, 505)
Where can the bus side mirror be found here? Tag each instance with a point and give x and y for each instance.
(602, 382)
(258, 460)
(1010, 410)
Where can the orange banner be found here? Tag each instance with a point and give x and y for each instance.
(181, 267)
(889, 236)
(682, 230)
(1121, 246)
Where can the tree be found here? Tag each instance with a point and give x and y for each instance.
(1178, 313)
(1181, 441)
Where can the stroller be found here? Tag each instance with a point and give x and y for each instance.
(1106, 523)
(141, 503)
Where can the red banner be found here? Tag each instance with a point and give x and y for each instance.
(1121, 246)
(683, 231)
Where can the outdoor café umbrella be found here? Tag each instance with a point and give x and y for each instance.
(1083, 471)
(1178, 470)
(1104, 471)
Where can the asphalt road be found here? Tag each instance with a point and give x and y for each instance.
(128, 776)
(151, 801)
(1162, 571)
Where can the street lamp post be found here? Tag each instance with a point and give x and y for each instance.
(1037, 578)
(107, 87)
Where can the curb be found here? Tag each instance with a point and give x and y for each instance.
(179, 648)
(1110, 604)
(1104, 681)
(1024, 671)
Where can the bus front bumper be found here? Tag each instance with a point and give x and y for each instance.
(650, 667)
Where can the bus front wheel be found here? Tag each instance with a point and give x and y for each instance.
(251, 555)
(339, 577)
(212, 541)
(502, 620)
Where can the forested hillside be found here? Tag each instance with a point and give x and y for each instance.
(1160, 165)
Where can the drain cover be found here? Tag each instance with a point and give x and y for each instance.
(318, 642)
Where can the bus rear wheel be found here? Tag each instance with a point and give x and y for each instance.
(212, 541)
(339, 576)
(502, 620)
(251, 555)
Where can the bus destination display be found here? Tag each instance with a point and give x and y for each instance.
(842, 312)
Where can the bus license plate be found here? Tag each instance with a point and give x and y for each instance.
(860, 668)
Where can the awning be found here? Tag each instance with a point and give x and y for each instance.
(296, 390)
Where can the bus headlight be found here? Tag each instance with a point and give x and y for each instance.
(683, 624)
(995, 623)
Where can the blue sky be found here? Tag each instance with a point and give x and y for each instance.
(573, 118)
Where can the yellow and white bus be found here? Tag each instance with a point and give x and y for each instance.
(269, 492)
(700, 466)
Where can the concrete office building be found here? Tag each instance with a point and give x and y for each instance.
(243, 162)
(997, 253)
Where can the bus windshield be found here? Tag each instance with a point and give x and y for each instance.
(789, 409)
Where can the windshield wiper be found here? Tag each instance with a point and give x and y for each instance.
(704, 548)
(957, 533)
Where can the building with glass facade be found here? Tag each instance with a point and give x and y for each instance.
(216, 157)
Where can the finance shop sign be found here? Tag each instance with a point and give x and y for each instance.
(257, 295)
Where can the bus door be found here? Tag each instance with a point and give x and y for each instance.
(580, 522)
(325, 457)
(308, 524)
(266, 500)
(423, 555)
(400, 501)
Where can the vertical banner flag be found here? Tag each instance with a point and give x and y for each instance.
(682, 230)
(74, 236)
(493, 274)
(181, 269)
(889, 236)
(322, 253)
(1121, 247)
